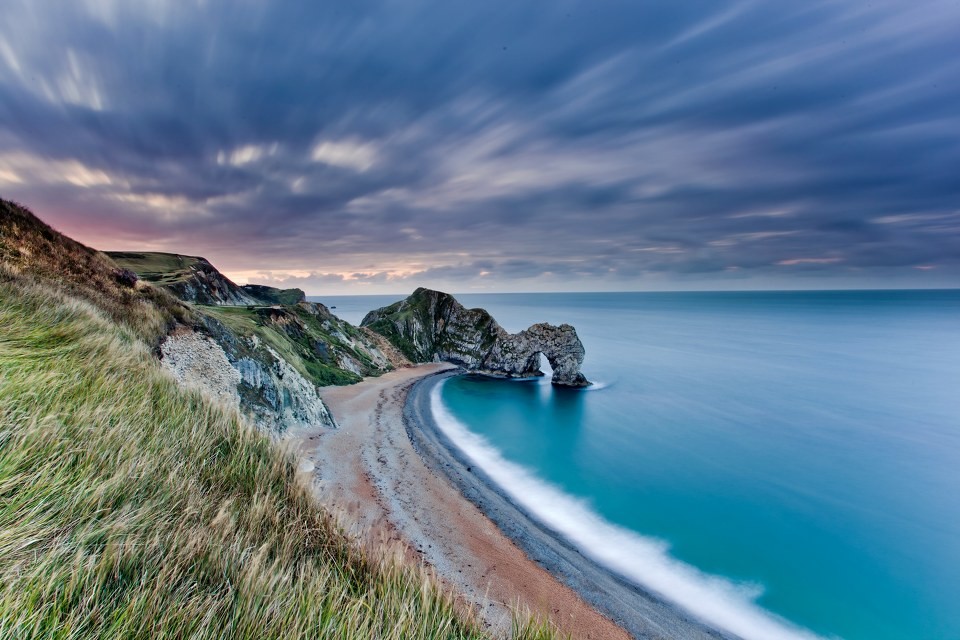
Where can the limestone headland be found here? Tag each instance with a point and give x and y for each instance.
(432, 326)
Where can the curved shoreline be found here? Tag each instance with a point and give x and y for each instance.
(369, 473)
(640, 613)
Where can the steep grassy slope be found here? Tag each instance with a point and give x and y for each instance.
(30, 248)
(155, 266)
(132, 508)
(281, 354)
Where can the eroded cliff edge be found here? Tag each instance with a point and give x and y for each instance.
(263, 350)
(430, 325)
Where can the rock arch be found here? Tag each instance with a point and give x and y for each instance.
(430, 325)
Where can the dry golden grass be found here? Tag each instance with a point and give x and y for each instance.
(31, 248)
(132, 508)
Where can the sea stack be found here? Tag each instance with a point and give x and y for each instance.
(432, 326)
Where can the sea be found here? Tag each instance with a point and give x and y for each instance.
(779, 464)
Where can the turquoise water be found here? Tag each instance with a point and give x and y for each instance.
(804, 447)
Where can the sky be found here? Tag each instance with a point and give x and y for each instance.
(373, 146)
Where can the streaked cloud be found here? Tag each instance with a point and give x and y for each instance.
(246, 154)
(555, 145)
(795, 261)
(350, 154)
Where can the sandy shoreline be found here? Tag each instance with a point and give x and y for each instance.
(393, 474)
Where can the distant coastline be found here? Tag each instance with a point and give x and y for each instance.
(640, 613)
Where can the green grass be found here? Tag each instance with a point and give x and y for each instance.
(162, 268)
(131, 508)
(272, 295)
(287, 296)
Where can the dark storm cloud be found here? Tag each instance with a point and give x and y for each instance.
(563, 144)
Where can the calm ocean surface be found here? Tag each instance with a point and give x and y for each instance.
(780, 458)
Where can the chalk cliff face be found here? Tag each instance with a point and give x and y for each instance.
(273, 358)
(430, 325)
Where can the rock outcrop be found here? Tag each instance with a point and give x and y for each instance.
(431, 326)
(519, 354)
(196, 360)
(242, 370)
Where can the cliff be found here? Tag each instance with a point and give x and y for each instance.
(272, 295)
(262, 350)
(281, 354)
(189, 278)
(431, 325)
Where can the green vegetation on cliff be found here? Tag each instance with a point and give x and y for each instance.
(133, 508)
(302, 338)
(272, 295)
(320, 346)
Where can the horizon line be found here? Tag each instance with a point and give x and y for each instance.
(836, 289)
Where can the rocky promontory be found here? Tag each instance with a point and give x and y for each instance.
(189, 278)
(432, 326)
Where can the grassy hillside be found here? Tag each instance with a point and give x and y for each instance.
(189, 278)
(257, 339)
(153, 266)
(29, 248)
(132, 508)
(320, 346)
(135, 509)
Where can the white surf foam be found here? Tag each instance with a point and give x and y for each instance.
(596, 385)
(547, 379)
(645, 561)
